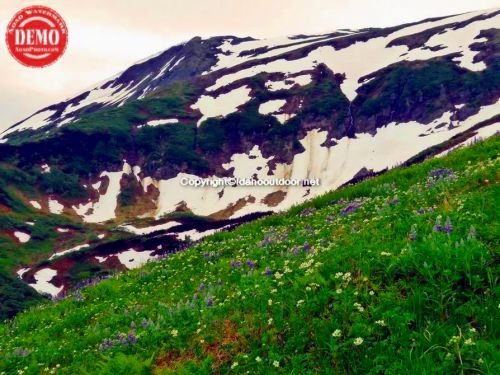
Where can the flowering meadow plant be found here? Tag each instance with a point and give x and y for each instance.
(393, 275)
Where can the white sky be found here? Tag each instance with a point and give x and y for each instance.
(107, 36)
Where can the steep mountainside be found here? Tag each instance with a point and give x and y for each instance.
(395, 275)
(93, 184)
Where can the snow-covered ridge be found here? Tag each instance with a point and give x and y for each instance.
(356, 60)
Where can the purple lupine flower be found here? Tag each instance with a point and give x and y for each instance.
(296, 250)
(395, 200)
(329, 219)
(268, 272)
(145, 323)
(350, 208)
(195, 296)
(201, 287)
(448, 227)
(413, 233)
(210, 302)
(250, 264)
(307, 247)
(133, 326)
(307, 211)
(235, 264)
(421, 210)
(219, 282)
(437, 226)
(132, 339)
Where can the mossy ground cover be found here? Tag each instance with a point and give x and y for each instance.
(397, 274)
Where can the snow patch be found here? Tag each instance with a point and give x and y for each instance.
(104, 209)
(223, 104)
(36, 205)
(22, 237)
(55, 207)
(72, 250)
(43, 285)
(133, 259)
(148, 230)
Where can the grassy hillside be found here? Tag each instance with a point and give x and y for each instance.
(398, 274)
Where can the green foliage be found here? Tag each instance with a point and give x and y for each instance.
(15, 296)
(65, 185)
(358, 281)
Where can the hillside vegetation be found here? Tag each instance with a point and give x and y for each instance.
(397, 274)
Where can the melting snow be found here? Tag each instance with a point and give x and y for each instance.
(72, 250)
(133, 259)
(21, 272)
(36, 205)
(22, 237)
(55, 207)
(151, 229)
(288, 83)
(104, 208)
(271, 106)
(334, 166)
(34, 122)
(223, 104)
(162, 122)
(43, 285)
(363, 58)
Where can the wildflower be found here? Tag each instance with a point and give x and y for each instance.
(300, 302)
(258, 359)
(201, 287)
(385, 254)
(395, 200)
(278, 275)
(202, 341)
(276, 364)
(337, 333)
(447, 226)
(469, 342)
(268, 272)
(472, 233)
(381, 323)
(371, 293)
(358, 341)
(413, 233)
(250, 264)
(437, 226)
(210, 302)
(338, 291)
(359, 307)
(421, 211)
(270, 302)
(270, 321)
(307, 247)
(454, 340)
(234, 365)
(219, 282)
(174, 332)
(131, 338)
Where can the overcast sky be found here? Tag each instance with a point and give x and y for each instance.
(107, 36)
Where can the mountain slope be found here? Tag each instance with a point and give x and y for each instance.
(92, 184)
(404, 264)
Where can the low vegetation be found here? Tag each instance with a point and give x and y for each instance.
(397, 274)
